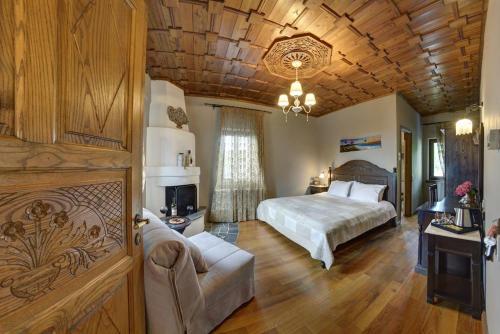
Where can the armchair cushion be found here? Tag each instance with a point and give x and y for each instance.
(174, 300)
(156, 224)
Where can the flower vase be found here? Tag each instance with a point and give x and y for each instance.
(467, 200)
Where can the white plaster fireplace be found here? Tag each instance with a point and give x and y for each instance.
(163, 141)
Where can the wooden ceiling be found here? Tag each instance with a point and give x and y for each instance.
(429, 51)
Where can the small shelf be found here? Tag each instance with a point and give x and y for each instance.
(454, 288)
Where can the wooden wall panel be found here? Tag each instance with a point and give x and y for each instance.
(7, 67)
(428, 50)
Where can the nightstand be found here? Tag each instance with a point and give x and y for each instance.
(317, 188)
(454, 270)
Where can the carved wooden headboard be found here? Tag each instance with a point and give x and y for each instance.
(366, 172)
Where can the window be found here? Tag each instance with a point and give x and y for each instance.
(436, 160)
(239, 187)
(242, 147)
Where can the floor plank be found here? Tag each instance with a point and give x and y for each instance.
(371, 288)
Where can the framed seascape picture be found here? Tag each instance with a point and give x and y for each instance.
(360, 144)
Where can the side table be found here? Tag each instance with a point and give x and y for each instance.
(455, 269)
(317, 188)
(176, 227)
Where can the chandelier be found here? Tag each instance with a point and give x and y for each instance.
(295, 93)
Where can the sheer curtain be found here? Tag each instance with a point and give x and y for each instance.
(440, 140)
(239, 185)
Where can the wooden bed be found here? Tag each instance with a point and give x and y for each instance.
(321, 222)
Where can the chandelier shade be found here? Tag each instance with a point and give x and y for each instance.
(283, 100)
(463, 127)
(296, 89)
(310, 99)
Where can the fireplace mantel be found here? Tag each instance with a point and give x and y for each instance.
(163, 143)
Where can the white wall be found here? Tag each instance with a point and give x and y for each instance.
(164, 94)
(375, 117)
(297, 150)
(409, 119)
(290, 150)
(490, 81)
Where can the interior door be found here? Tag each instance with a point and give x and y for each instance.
(462, 158)
(408, 173)
(71, 95)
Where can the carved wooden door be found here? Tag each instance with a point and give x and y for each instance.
(71, 95)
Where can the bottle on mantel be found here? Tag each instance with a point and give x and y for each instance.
(173, 208)
(186, 159)
(189, 158)
(180, 160)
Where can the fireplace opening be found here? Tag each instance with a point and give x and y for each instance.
(185, 198)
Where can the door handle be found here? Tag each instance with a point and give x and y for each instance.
(139, 221)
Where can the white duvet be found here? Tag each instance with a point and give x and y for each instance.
(321, 222)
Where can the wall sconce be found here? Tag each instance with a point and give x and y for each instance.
(464, 125)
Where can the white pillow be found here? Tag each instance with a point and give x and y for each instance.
(363, 192)
(340, 188)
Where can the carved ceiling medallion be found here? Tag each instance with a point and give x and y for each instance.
(314, 54)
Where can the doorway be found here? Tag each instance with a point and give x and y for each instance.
(406, 172)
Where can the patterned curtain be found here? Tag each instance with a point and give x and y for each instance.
(440, 141)
(239, 185)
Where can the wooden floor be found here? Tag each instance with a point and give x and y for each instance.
(371, 288)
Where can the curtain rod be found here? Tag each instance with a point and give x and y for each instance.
(434, 123)
(215, 105)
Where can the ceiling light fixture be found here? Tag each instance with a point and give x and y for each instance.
(295, 93)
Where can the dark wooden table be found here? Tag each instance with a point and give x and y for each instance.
(460, 284)
(177, 227)
(427, 212)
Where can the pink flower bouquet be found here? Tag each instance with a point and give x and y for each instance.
(467, 191)
(464, 189)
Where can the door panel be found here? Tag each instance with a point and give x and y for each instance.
(56, 228)
(91, 34)
(71, 98)
(7, 65)
(109, 318)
